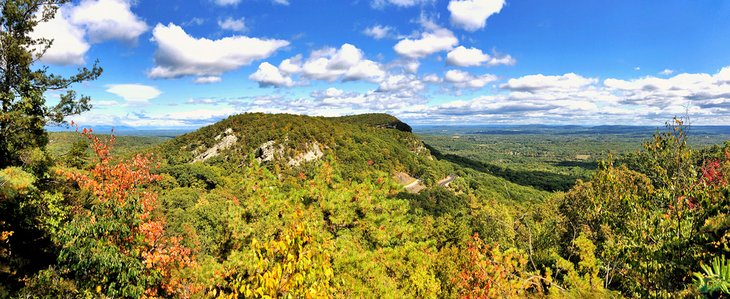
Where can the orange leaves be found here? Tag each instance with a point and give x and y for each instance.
(489, 272)
(121, 191)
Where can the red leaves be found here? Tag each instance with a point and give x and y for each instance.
(712, 174)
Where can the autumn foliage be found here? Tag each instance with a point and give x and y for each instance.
(121, 196)
(489, 272)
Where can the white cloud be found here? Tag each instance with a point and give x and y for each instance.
(108, 19)
(399, 3)
(226, 2)
(432, 78)
(69, 43)
(666, 72)
(329, 64)
(102, 103)
(232, 24)
(464, 79)
(711, 92)
(179, 54)
(134, 93)
(95, 20)
(501, 60)
(472, 15)
(378, 31)
(208, 79)
(540, 81)
(723, 76)
(464, 57)
(364, 70)
(291, 65)
(412, 66)
(434, 39)
(402, 84)
(269, 75)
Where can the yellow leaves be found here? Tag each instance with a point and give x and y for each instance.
(291, 266)
(15, 182)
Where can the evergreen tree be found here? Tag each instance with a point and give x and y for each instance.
(24, 111)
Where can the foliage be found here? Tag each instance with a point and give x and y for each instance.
(236, 225)
(24, 113)
(292, 266)
(714, 279)
(489, 272)
(116, 245)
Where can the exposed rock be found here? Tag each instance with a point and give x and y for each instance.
(315, 152)
(270, 150)
(225, 140)
(267, 151)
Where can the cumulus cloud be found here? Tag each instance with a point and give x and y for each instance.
(709, 91)
(540, 81)
(291, 65)
(666, 72)
(466, 57)
(501, 60)
(74, 28)
(471, 15)
(179, 54)
(432, 78)
(69, 42)
(269, 75)
(134, 93)
(329, 64)
(464, 79)
(431, 41)
(405, 85)
(378, 31)
(108, 19)
(208, 79)
(232, 24)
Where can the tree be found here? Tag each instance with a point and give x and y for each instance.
(119, 246)
(24, 113)
(489, 272)
(294, 265)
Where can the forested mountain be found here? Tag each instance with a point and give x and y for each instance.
(285, 205)
(290, 206)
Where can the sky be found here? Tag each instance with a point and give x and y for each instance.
(186, 64)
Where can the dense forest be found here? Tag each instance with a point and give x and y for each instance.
(289, 206)
(156, 222)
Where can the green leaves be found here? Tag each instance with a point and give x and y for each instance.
(24, 113)
(715, 278)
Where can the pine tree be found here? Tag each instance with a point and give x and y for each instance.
(24, 113)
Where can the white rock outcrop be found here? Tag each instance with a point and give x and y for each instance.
(225, 140)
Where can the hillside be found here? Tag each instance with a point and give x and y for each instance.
(350, 207)
(291, 140)
(358, 144)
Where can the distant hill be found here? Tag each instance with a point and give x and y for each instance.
(358, 142)
(357, 145)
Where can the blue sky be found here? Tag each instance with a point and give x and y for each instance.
(191, 63)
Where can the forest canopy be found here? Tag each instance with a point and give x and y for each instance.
(289, 206)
